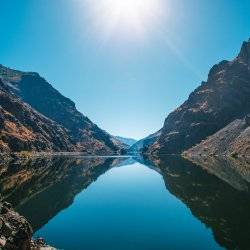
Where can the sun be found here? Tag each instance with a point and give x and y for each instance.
(129, 12)
(126, 17)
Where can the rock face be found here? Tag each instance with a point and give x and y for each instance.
(24, 129)
(15, 231)
(233, 140)
(212, 106)
(41, 96)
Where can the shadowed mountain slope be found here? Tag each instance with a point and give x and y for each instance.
(38, 93)
(24, 129)
(233, 140)
(212, 106)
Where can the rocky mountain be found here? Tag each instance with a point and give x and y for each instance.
(223, 98)
(40, 95)
(15, 231)
(233, 140)
(127, 141)
(24, 129)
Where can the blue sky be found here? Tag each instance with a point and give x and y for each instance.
(126, 83)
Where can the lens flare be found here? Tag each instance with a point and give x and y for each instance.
(134, 18)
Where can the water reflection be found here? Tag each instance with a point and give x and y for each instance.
(218, 196)
(40, 188)
(223, 204)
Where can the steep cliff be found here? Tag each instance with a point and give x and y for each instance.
(213, 105)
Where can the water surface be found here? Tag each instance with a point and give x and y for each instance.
(126, 203)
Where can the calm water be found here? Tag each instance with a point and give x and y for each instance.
(119, 203)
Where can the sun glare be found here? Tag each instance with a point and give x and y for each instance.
(126, 17)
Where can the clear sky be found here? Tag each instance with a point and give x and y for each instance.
(125, 63)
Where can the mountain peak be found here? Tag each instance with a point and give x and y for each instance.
(13, 74)
(244, 54)
(213, 105)
(34, 90)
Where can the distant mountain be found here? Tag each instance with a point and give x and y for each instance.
(224, 98)
(141, 145)
(127, 141)
(24, 129)
(41, 96)
(233, 140)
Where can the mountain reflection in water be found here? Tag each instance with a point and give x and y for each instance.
(40, 188)
(215, 202)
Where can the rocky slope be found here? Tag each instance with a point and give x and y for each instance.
(15, 231)
(213, 105)
(41, 96)
(233, 140)
(24, 129)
